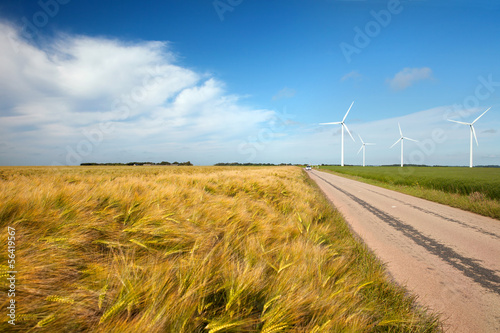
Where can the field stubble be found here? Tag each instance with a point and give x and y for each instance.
(190, 249)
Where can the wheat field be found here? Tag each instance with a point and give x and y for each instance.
(190, 249)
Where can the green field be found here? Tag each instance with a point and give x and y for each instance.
(189, 249)
(476, 189)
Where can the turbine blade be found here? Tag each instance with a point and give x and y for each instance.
(410, 139)
(458, 122)
(474, 131)
(481, 114)
(347, 112)
(370, 144)
(400, 132)
(348, 131)
(395, 143)
(360, 149)
(361, 139)
(334, 123)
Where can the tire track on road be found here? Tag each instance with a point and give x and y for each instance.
(468, 266)
(439, 215)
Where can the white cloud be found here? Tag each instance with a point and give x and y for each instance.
(440, 142)
(408, 76)
(52, 95)
(55, 100)
(284, 93)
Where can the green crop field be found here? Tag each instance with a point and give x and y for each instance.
(476, 189)
(189, 249)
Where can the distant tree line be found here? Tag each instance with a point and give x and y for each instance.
(188, 163)
(250, 164)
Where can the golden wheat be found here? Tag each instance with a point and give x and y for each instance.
(190, 249)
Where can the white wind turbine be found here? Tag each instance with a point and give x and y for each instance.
(363, 147)
(402, 138)
(343, 125)
(472, 132)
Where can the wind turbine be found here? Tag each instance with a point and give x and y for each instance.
(343, 125)
(472, 131)
(363, 147)
(402, 138)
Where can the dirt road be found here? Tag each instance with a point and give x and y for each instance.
(448, 257)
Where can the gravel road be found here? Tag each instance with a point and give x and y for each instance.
(448, 257)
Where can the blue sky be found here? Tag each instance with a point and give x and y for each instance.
(247, 81)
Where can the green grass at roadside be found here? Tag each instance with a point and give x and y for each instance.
(190, 249)
(473, 189)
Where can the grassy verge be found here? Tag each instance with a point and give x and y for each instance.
(476, 190)
(193, 249)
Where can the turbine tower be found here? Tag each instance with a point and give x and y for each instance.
(363, 147)
(472, 132)
(343, 125)
(402, 138)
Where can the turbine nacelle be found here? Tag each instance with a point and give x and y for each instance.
(402, 138)
(472, 131)
(363, 147)
(363, 144)
(347, 129)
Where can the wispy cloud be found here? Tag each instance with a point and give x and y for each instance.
(440, 142)
(284, 93)
(354, 75)
(408, 76)
(51, 96)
